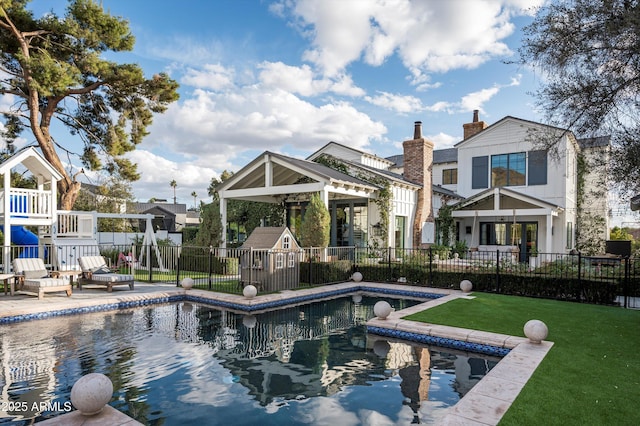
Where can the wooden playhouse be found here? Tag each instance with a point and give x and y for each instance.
(270, 259)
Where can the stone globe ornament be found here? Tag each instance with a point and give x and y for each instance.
(536, 331)
(187, 283)
(382, 309)
(466, 286)
(357, 276)
(250, 291)
(91, 393)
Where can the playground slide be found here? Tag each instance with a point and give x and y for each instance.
(21, 236)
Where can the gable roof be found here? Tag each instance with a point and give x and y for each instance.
(167, 207)
(266, 237)
(290, 170)
(505, 192)
(30, 158)
(356, 151)
(489, 128)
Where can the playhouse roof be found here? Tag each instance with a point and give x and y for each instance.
(31, 159)
(267, 237)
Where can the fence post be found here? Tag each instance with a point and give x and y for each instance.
(627, 280)
(148, 250)
(310, 266)
(580, 271)
(210, 267)
(390, 271)
(178, 267)
(430, 266)
(498, 271)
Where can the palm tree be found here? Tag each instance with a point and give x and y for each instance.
(195, 196)
(174, 184)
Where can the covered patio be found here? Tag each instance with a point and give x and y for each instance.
(504, 217)
(276, 178)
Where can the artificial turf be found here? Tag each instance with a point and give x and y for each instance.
(591, 376)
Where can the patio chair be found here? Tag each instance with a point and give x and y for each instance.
(96, 271)
(33, 278)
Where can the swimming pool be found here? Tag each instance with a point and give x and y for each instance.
(186, 363)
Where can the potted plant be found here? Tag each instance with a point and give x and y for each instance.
(533, 257)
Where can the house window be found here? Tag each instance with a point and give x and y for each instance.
(279, 261)
(479, 172)
(537, 168)
(569, 235)
(291, 263)
(450, 176)
(286, 242)
(508, 169)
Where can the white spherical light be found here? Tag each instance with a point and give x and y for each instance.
(250, 291)
(249, 321)
(381, 348)
(536, 331)
(187, 283)
(91, 393)
(357, 277)
(382, 309)
(466, 286)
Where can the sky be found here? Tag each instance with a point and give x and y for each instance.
(289, 76)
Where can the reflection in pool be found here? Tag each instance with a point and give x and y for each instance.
(184, 363)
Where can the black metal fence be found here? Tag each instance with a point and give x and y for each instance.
(591, 279)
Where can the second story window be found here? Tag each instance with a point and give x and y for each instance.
(450, 176)
(286, 242)
(508, 169)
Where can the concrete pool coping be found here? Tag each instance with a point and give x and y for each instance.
(484, 404)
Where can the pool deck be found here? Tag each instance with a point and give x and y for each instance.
(485, 404)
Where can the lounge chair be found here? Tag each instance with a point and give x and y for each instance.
(33, 278)
(96, 271)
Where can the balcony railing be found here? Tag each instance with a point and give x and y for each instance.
(29, 202)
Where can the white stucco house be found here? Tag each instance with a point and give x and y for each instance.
(507, 191)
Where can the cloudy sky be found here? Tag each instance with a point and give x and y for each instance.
(291, 75)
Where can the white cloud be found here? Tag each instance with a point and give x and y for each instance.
(429, 36)
(157, 172)
(212, 76)
(216, 126)
(442, 140)
(398, 103)
(301, 80)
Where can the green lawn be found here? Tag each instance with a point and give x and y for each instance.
(591, 376)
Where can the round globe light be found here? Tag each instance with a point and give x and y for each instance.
(357, 276)
(249, 321)
(381, 348)
(466, 286)
(91, 393)
(187, 283)
(250, 291)
(536, 331)
(382, 309)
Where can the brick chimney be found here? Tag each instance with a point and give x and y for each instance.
(418, 161)
(475, 127)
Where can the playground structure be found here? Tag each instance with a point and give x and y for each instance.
(68, 234)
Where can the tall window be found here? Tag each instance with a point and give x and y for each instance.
(279, 260)
(508, 169)
(450, 176)
(286, 242)
(569, 235)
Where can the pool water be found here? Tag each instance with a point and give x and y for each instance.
(184, 363)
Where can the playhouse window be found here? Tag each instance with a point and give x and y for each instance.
(279, 261)
(292, 260)
(286, 242)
